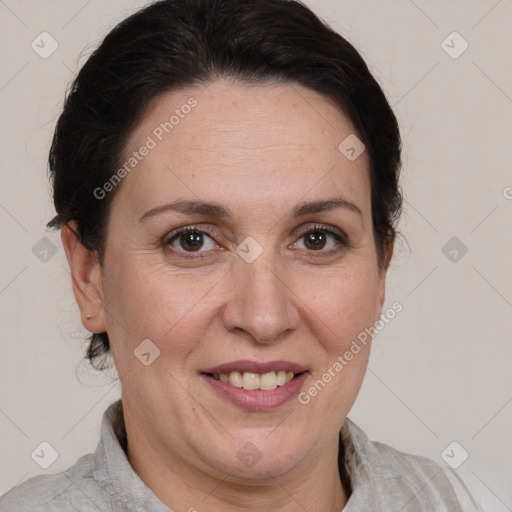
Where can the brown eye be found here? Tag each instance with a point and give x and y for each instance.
(190, 240)
(315, 240)
(322, 240)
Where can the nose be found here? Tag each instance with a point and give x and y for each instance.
(261, 305)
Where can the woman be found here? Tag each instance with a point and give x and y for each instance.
(226, 179)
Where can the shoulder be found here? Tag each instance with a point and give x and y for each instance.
(422, 473)
(418, 481)
(55, 493)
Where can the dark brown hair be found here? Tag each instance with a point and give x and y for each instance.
(174, 43)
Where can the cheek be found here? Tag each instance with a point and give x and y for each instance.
(174, 309)
(341, 313)
(148, 301)
(344, 304)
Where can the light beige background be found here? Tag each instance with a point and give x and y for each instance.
(440, 372)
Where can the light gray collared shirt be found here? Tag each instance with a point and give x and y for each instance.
(383, 480)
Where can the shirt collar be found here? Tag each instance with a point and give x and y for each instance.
(113, 471)
(369, 474)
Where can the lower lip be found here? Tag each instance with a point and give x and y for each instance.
(258, 399)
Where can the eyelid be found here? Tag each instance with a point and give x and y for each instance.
(211, 231)
(208, 230)
(324, 227)
(342, 240)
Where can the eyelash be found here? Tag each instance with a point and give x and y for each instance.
(342, 242)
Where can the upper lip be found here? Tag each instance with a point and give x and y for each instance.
(256, 367)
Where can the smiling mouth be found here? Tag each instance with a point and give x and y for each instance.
(253, 381)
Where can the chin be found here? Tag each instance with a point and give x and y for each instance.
(262, 456)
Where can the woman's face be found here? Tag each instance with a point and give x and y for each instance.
(250, 170)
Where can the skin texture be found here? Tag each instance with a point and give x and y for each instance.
(259, 151)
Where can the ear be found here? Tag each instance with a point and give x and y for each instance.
(386, 259)
(86, 278)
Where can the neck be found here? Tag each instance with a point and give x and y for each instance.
(314, 486)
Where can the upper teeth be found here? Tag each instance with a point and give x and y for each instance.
(249, 380)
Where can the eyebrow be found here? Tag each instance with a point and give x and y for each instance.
(217, 210)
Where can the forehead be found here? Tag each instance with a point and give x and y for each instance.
(241, 143)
